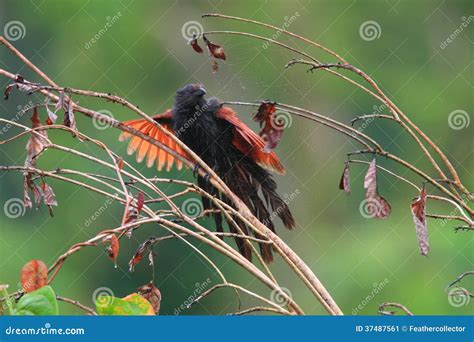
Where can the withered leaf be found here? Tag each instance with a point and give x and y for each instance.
(151, 293)
(37, 141)
(194, 44)
(26, 196)
(52, 117)
(370, 180)
(48, 194)
(61, 101)
(34, 275)
(418, 210)
(36, 193)
(215, 50)
(344, 183)
(18, 85)
(144, 247)
(273, 126)
(113, 248)
(134, 211)
(120, 163)
(8, 90)
(140, 201)
(214, 66)
(376, 206)
(69, 119)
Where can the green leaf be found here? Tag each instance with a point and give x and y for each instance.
(41, 302)
(133, 304)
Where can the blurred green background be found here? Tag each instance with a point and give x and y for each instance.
(143, 56)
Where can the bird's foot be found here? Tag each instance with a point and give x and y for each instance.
(196, 168)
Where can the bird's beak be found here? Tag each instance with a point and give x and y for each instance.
(201, 91)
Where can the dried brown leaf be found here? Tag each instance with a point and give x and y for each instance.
(214, 66)
(376, 206)
(143, 248)
(49, 198)
(418, 210)
(151, 293)
(273, 125)
(194, 44)
(34, 275)
(344, 183)
(37, 141)
(113, 248)
(215, 50)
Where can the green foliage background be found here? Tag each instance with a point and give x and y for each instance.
(144, 58)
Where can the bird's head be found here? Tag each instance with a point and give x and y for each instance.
(191, 95)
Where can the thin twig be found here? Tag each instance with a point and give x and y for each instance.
(383, 306)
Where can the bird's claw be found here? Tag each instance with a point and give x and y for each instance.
(196, 168)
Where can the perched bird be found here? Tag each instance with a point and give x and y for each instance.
(228, 146)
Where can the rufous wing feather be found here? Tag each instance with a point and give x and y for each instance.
(249, 143)
(153, 153)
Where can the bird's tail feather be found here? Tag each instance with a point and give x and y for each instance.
(256, 188)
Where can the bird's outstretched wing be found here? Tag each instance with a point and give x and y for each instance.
(249, 143)
(151, 152)
(245, 140)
